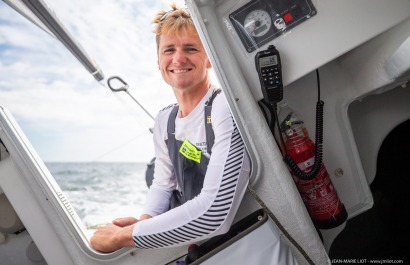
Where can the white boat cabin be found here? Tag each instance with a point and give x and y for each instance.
(361, 49)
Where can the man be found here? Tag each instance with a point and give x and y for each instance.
(201, 168)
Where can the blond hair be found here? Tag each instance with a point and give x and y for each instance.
(173, 22)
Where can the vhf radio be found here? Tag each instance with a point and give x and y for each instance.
(269, 70)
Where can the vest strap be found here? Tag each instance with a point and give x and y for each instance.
(210, 136)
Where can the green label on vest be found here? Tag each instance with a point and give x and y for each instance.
(190, 151)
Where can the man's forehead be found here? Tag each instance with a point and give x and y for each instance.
(187, 40)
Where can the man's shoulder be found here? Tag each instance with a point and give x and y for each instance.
(163, 114)
(169, 107)
(219, 100)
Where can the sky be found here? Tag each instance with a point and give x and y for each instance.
(63, 111)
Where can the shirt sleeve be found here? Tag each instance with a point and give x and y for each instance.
(210, 213)
(164, 182)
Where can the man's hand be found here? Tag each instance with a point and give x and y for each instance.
(109, 238)
(112, 237)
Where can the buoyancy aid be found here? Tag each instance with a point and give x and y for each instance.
(190, 164)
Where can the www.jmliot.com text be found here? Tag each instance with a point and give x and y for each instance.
(367, 261)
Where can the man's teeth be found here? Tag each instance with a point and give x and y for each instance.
(180, 71)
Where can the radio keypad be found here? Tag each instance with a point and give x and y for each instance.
(271, 77)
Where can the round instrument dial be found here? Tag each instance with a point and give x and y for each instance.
(257, 23)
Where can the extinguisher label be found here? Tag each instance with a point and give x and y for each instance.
(305, 165)
(318, 194)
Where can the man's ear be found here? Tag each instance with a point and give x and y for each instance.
(208, 64)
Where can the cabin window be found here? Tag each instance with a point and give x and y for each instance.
(95, 143)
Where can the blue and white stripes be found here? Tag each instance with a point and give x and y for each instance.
(216, 215)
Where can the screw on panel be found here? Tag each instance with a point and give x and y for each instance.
(339, 172)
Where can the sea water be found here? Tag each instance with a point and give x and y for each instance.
(100, 192)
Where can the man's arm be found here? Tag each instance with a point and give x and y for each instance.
(163, 183)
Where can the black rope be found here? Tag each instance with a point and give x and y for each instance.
(318, 142)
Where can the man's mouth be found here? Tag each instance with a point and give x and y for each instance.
(179, 71)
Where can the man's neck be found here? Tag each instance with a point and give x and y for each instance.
(188, 100)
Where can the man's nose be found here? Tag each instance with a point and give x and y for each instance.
(179, 57)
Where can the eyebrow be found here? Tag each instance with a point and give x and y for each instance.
(184, 45)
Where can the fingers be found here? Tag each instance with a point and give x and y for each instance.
(112, 237)
(126, 221)
(103, 239)
(145, 216)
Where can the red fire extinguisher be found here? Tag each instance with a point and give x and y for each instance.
(310, 175)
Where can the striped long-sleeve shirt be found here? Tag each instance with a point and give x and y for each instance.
(212, 211)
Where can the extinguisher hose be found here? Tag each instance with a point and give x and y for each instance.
(318, 149)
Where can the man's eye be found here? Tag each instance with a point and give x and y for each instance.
(167, 51)
(191, 50)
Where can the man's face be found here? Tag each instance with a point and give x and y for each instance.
(183, 61)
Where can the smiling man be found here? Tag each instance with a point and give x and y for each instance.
(202, 167)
